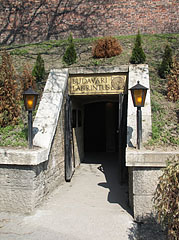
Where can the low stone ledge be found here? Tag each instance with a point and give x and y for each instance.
(22, 156)
(147, 158)
(103, 69)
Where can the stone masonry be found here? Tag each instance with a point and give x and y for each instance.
(37, 20)
(28, 176)
(144, 166)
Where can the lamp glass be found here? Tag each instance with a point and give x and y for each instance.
(138, 96)
(138, 93)
(30, 99)
(30, 102)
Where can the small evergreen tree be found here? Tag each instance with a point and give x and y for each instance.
(173, 82)
(138, 55)
(27, 79)
(70, 53)
(39, 69)
(166, 64)
(10, 108)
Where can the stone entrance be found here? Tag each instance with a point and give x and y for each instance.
(99, 102)
(98, 113)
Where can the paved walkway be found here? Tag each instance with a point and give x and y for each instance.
(93, 206)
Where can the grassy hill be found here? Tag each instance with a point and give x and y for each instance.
(164, 113)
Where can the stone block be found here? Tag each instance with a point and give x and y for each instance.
(22, 156)
(17, 200)
(16, 190)
(145, 180)
(147, 158)
(143, 206)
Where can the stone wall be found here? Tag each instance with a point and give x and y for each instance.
(23, 187)
(28, 176)
(50, 174)
(145, 180)
(32, 21)
(145, 168)
(16, 190)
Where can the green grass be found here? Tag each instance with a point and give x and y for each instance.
(162, 128)
(19, 52)
(15, 136)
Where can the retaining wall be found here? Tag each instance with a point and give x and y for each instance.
(145, 167)
(28, 176)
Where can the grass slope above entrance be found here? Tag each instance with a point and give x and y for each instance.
(164, 113)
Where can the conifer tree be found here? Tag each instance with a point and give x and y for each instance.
(70, 53)
(166, 64)
(10, 108)
(173, 82)
(138, 55)
(39, 69)
(27, 79)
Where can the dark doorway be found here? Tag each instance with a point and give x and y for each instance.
(100, 127)
(94, 127)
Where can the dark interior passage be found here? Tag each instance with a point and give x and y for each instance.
(100, 127)
(94, 127)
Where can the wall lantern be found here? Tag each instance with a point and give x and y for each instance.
(138, 93)
(30, 100)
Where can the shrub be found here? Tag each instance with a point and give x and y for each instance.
(138, 55)
(173, 82)
(166, 64)
(27, 80)
(166, 199)
(70, 53)
(10, 109)
(39, 69)
(106, 47)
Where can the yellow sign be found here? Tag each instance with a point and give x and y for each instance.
(97, 84)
